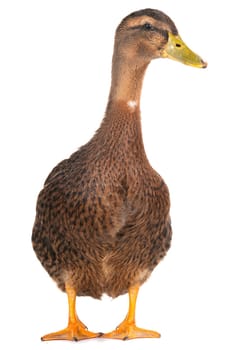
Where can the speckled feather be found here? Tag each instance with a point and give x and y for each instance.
(103, 215)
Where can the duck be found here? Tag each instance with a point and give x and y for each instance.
(102, 220)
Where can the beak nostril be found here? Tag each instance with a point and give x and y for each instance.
(178, 45)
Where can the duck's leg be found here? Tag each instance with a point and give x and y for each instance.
(128, 329)
(75, 330)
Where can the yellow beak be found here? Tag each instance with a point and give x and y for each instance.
(177, 50)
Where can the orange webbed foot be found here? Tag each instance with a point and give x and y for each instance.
(76, 329)
(127, 331)
(74, 332)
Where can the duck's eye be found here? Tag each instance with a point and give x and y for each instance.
(148, 26)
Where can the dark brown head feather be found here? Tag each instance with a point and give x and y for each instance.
(155, 14)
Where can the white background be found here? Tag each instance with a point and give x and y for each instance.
(55, 64)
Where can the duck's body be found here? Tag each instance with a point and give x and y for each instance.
(102, 221)
(103, 215)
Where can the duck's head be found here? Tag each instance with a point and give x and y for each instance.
(148, 34)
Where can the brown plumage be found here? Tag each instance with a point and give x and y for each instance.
(102, 219)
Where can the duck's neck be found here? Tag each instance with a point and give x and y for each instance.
(127, 79)
(120, 130)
